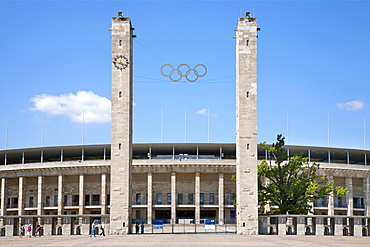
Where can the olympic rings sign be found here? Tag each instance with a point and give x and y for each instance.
(190, 74)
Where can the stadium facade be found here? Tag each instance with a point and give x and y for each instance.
(172, 187)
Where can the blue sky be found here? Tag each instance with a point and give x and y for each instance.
(313, 65)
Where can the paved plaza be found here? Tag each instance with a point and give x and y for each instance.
(186, 240)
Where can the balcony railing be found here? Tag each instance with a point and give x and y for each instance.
(161, 203)
(358, 206)
(178, 203)
(30, 205)
(93, 203)
(186, 202)
(50, 204)
(340, 205)
(138, 203)
(229, 202)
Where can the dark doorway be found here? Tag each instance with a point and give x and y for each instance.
(185, 214)
(164, 215)
(208, 214)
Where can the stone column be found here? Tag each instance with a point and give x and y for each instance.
(366, 188)
(338, 225)
(246, 126)
(103, 193)
(2, 205)
(81, 195)
(121, 125)
(349, 196)
(267, 207)
(331, 199)
(150, 198)
(301, 226)
(66, 227)
(60, 194)
(282, 225)
(319, 226)
(60, 199)
(357, 227)
(47, 227)
(197, 197)
(21, 195)
(9, 227)
(221, 197)
(40, 207)
(173, 197)
(3, 184)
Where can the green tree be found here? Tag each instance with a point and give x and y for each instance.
(292, 184)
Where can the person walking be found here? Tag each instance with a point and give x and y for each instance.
(102, 228)
(38, 230)
(21, 230)
(29, 230)
(93, 225)
(142, 227)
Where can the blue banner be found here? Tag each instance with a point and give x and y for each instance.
(157, 224)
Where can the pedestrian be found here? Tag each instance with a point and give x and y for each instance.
(21, 230)
(93, 225)
(137, 227)
(102, 228)
(38, 230)
(29, 230)
(142, 227)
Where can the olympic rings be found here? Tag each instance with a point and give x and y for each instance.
(181, 74)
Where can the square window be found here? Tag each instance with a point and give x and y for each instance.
(232, 214)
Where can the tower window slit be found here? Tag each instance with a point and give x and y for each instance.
(248, 146)
(119, 146)
(120, 42)
(247, 43)
(120, 94)
(247, 95)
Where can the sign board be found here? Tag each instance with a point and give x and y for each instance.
(186, 221)
(209, 224)
(157, 224)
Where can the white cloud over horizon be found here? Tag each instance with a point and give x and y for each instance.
(95, 109)
(203, 111)
(352, 105)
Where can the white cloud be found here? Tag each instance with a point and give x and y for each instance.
(204, 111)
(352, 105)
(96, 109)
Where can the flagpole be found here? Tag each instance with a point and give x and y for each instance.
(83, 127)
(42, 130)
(365, 133)
(287, 127)
(209, 132)
(162, 126)
(328, 130)
(185, 126)
(6, 133)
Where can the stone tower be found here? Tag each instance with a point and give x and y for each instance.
(246, 126)
(121, 125)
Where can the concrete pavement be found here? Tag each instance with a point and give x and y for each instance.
(186, 240)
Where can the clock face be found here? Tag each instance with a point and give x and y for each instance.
(120, 62)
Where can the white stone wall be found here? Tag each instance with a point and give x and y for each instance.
(121, 125)
(246, 126)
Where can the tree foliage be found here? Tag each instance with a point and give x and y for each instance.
(292, 184)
